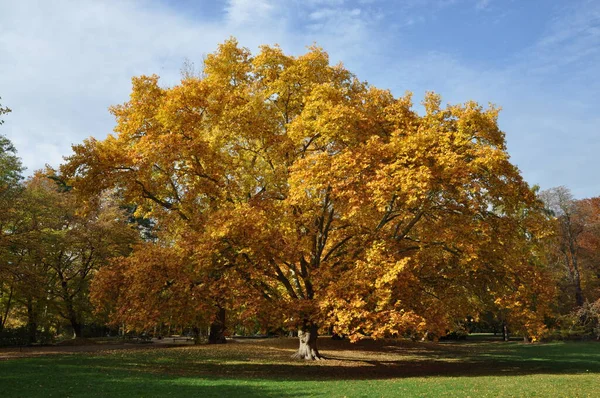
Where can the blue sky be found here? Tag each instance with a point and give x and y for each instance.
(62, 63)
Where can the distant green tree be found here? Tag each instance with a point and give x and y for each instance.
(10, 177)
(3, 111)
(10, 164)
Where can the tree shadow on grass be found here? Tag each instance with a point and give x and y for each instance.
(250, 371)
(343, 368)
(401, 358)
(383, 360)
(59, 377)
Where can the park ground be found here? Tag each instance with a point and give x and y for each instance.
(263, 368)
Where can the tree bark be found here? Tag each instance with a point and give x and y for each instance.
(197, 335)
(6, 310)
(307, 350)
(505, 335)
(573, 266)
(76, 328)
(31, 323)
(216, 334)
(579, 300)
(73, 319)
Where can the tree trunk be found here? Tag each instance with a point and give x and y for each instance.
(31, 323)
(6, 310)
(579, 300)
(76, 327)
(73, 319)
(216, 334)
(575, 267)
(505, 335)
(197, 335)
(308, 344)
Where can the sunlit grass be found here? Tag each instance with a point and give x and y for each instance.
(263, 368)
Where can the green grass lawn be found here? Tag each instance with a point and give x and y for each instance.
(262, 368)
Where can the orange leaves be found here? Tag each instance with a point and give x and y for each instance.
(152, 286)
(318, 197)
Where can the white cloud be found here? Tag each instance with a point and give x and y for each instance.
(322, 14)
(572, 38)
(64, 62)
(326, 3)
(241, 12)
(549, 96)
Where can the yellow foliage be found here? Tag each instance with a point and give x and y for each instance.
(322, 199)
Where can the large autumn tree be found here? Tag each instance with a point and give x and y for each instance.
(324, 201)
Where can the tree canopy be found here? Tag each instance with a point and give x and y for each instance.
(323, 201)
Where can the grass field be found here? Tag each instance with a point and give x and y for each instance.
(263, 368)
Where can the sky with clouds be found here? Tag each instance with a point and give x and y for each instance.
(64, 62)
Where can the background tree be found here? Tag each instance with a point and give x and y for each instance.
(11, 170)
(3, 110)
(589, 247)
(75, 242)
(332, 201)
(10, 176)
(57, 244)
(569, 225)
(573, 251)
